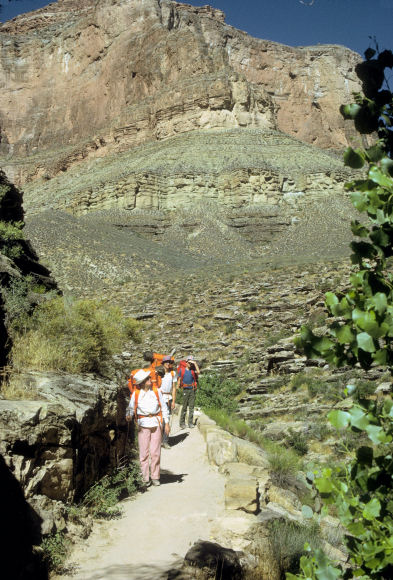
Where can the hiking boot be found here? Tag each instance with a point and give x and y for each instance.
(182, 426)
(166, 445)
(155, 482)
(191, 426)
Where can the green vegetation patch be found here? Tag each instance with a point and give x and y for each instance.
(71, 335)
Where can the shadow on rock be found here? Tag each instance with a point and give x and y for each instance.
(21, 531)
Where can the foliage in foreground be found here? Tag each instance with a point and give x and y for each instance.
(71, 335)
(361, 321)
(361, 331)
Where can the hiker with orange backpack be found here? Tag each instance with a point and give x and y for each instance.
(150, 411)
(168, 390)
(188, 372)
(155, 368)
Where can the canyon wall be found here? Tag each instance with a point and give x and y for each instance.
(87, 79)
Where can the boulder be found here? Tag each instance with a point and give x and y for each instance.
(222, 562)
(242, 494)
(221, 447)
(251, 453)
(284, 498)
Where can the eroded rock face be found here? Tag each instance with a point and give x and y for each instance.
(58, 445)
(84, 79)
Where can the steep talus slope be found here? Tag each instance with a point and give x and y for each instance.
(86, 79)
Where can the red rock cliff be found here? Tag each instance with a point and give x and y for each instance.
(82, 78)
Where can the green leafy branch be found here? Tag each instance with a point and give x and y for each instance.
(360, 330)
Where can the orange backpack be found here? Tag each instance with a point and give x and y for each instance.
(157, 360)
(159, 414)
(155, 379)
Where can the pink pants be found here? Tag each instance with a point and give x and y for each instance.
(149, 440)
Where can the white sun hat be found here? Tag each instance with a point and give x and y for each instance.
(140, 376)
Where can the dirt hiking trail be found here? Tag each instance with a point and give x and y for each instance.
(159, 525)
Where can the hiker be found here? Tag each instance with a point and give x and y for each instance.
(188, 372)
(168, 391)
(156, 372)
(150, 410)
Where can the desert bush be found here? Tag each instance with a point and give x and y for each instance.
(10, 236)
(297, 441)
(55, 549)
(102, 499)
(288, 539)
(71, 335)
(273, 337)
(284, 464)
(217, 392)
(230, 327)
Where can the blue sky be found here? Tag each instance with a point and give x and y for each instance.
(292, 22)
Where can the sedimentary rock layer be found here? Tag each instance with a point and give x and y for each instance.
(82, 79)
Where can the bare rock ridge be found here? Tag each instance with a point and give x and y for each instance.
(84, 79)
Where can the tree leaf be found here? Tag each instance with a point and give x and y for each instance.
(339, 419)
(375, 153)
(345, 335)
(379, 301)
(365, 342)
(387, 166)
(350, 111)
(359, 418)
(372, 509)
(354, 158)
(376, 175)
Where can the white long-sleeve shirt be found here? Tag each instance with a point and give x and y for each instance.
(148, 405)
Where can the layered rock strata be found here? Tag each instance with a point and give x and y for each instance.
(237, 169)
(81, 80)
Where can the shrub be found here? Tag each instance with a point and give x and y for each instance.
(230, 327)
(288, 539)
(102, 499)
(16, 300)
(218, 393)
(284, 464)
(298, 442)
(73, 336)
(10, 236)
(55, 550)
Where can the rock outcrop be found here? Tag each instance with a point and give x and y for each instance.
(254, 500)
(70, 434)
(85, 79)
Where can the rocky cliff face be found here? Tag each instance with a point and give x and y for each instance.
(85, 79)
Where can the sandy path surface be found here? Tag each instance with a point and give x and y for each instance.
(158, 526)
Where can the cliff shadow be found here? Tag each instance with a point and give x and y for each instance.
(20, 529)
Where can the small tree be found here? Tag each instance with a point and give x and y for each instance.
(360, 331)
